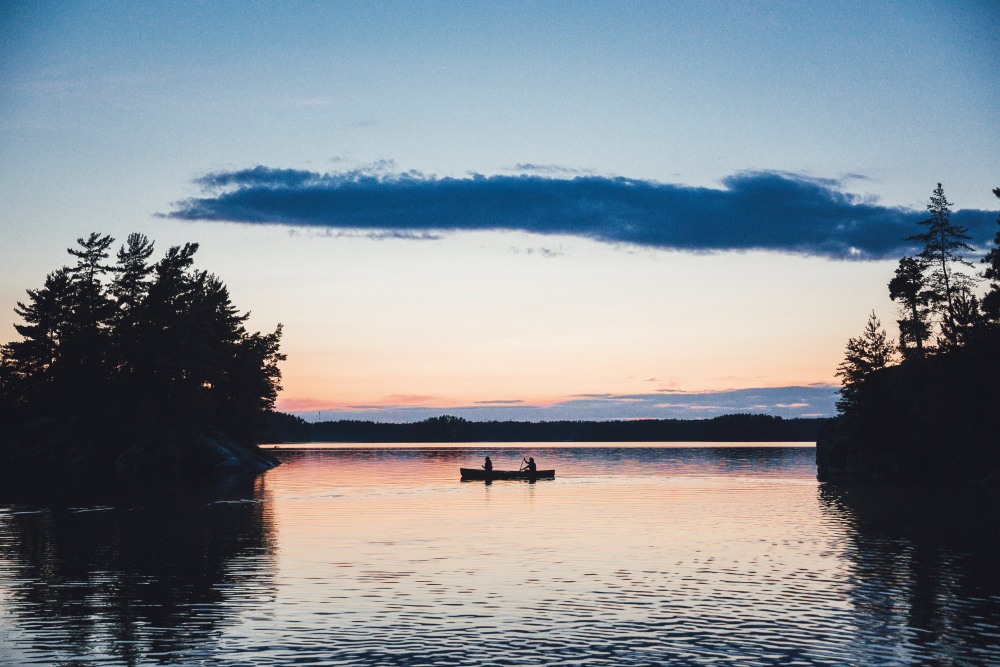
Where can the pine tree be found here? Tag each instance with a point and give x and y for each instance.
(128, 290)
(197, 364)
(865, 354)
(132, 272)
(991, 300)
(943, 245)
(909, 288)
(157, 355)
(85, 349)
(34, 370)
(968, 316)
(33, 364)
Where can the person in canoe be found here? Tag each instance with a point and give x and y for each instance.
(529, 464)
(488, 465)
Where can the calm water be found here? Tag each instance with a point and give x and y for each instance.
(673, 555)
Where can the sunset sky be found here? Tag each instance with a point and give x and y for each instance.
(540, 210)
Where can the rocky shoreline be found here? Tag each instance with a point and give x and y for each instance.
(49, 444)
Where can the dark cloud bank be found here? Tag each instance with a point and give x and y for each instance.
(755, 211)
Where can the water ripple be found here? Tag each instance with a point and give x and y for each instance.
(679, 557)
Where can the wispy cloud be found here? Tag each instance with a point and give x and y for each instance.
(541, 252)
(522, 167)
(788, 402)
(758, 210)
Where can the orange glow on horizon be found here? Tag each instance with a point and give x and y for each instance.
(531, 332)
(364, 407)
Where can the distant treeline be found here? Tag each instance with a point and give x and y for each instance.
(727, 428)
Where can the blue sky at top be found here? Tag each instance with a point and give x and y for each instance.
(111, 112)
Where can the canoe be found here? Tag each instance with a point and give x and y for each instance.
(479, 473)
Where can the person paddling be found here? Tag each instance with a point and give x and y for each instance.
(529, 464)
(488, 466)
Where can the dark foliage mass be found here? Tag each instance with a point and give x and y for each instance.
(762, 210)
(728, 428)
(929, 420)
(933, 415)
(133, 356)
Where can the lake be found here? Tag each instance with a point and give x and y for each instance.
(649, 554)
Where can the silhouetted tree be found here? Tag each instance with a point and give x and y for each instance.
(85, 350)
(865, 354)
(991, 300)
(31, 367)
(128, 290)
(131, 282)
(196, 362)
(943, 245)
(254, 383)
(162, 341)
(94, 250)
(928, 418)
(156, 354)
(909, 288)
(968, 316)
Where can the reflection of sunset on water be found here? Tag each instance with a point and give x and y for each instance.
(393, 534)
(381, 555)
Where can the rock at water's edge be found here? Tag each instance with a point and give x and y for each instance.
(213, 451)
(46, 443)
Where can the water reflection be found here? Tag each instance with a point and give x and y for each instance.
(135, 573)
(382, 556)
(380, 465)
(923, 568)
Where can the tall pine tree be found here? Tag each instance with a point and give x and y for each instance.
(943, 246)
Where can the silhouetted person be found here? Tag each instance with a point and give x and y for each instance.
(530, 465)
(488, 466)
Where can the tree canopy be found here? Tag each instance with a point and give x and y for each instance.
(131, 351)
(930, 418)
(991, 301)
(936, 294)
(947, 288)
(867, 353)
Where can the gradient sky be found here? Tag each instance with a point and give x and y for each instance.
(510, 210)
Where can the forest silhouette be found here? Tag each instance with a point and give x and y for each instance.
(136, 363)
(447, 428)
(923, 409)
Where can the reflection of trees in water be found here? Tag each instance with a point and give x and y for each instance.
(924, 566)
(143, 571)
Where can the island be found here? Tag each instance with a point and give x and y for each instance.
(925, 410)
(135, 366)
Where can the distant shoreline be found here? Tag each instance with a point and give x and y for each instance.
(634, 444)
(286, 428)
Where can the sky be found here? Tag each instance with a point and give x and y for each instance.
(542, 210)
